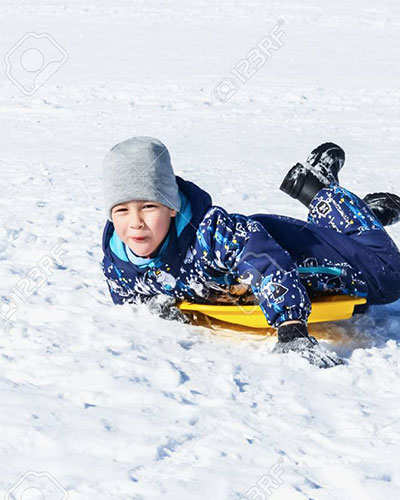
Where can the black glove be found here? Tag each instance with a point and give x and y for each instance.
(165, 307)
(294, 337)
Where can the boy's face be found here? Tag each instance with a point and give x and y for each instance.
(142, 225)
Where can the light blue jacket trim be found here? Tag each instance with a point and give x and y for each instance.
(117, 247)
(123, 252)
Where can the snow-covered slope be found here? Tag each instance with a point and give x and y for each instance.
(113, 403)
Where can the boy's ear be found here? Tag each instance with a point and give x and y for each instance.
(173, 212)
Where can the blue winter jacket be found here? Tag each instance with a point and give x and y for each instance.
(212, 256)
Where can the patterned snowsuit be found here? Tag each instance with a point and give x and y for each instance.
(212, 256)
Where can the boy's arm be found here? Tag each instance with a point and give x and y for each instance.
(239, 245)
(161, 305)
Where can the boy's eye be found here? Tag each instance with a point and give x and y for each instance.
(149, 205)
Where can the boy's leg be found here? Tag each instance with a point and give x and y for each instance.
(337, 208)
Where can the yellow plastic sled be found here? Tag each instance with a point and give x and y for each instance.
(328, 308)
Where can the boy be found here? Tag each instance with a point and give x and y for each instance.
(164, 241)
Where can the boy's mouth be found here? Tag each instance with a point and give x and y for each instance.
(138, 238)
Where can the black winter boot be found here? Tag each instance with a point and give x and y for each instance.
(321, 169)
(327, 160)
(386, 207)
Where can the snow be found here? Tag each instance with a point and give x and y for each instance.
(113, 403)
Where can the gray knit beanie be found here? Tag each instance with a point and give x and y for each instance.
(139, 169)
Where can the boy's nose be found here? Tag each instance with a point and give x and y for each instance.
(135, 220)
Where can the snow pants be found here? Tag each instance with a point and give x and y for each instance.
(341, 229)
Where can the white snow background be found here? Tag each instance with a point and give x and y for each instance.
(114, 403)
